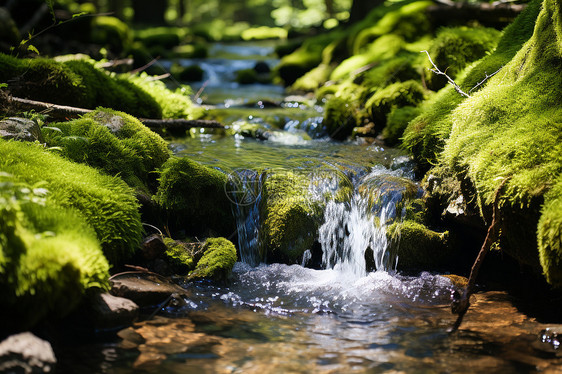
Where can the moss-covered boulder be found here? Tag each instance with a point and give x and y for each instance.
(219, 257)
(419, 248)
(114, 142)
(396, 122)
(396, 95)
(194, 198)
(49, 256)
(290, 217)
(180, 256)
(454, 48)
(111, 33)
(425, 136)
(510, 130)
(106, 203)
(340, 117)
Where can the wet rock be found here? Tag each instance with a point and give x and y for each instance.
(110, 311)
(20, 129)
(26, 353)
(144, 289)
(262, 67)
(152, 247)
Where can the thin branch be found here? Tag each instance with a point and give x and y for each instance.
(485, 79)
(449, 79)
(461, 303)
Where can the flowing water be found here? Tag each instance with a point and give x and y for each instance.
(346, 316)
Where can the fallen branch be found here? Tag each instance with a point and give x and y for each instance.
(64, 112)
(437, 71)
(461, 303)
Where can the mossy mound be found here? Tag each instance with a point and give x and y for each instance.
(340, 117)
(419, 248)
(396, 95)
(313, 79)
(194, 198)
(106, 203)
(454, 48)
(425, 136)
(111, 33)
(511, 129)
(219, 257)
(114, 142)
(290, 218)
(178, 256)
(396, 122)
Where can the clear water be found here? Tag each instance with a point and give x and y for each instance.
(290, 319)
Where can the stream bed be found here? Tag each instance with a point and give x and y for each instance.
(277, 318)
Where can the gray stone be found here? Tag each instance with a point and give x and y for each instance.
(20, 129)
(110, 311)
(26, 353)
(144, 289)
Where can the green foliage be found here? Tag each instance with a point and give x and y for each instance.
(264, 32)
(111, 32)
(549, 235)
(163, 37)
(426, 135)
(49, 256)
(454, 48)
(218, 260)
(396, 95)
(114, 142)
(106, 203)
(194, 197)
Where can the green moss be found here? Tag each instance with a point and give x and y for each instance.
(549, 235)
(114, 142)
(174, 104)
(165, 37)
(313, 79)
(384, 47)
(408, 22)
(418, 247)
(178, 256)
(49, 256)
(396, 122)
(396, 95)
(264, 32)
(111, 32)
(454, 48)
(194, 197)
(291, 219)
(512, 129)
(340, 117)
(426, 135)
(396, 69)
(246, 76)
(218, 259)
(105, 202)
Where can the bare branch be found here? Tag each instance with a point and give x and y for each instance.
(485, 79)
(449, 79)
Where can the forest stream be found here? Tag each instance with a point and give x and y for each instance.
(341, 308)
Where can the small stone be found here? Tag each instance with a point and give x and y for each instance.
(112, 311)
(153, 247)
(26, 353)
(145, 290)
(20, 129)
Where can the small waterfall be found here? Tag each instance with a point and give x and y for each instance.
(353, 227)
(244, 191)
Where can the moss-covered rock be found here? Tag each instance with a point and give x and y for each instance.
(340, 117)
(396, 95)
(106, 203)
(179, 256)
(454, 48)
(290, 217)
(396, 122)
(194, 198)
(49, 256)
(219, 257)
(419, 248)
(549, 235)
(425, 136)
(114, 142)
(511, 130)
(111, 32)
